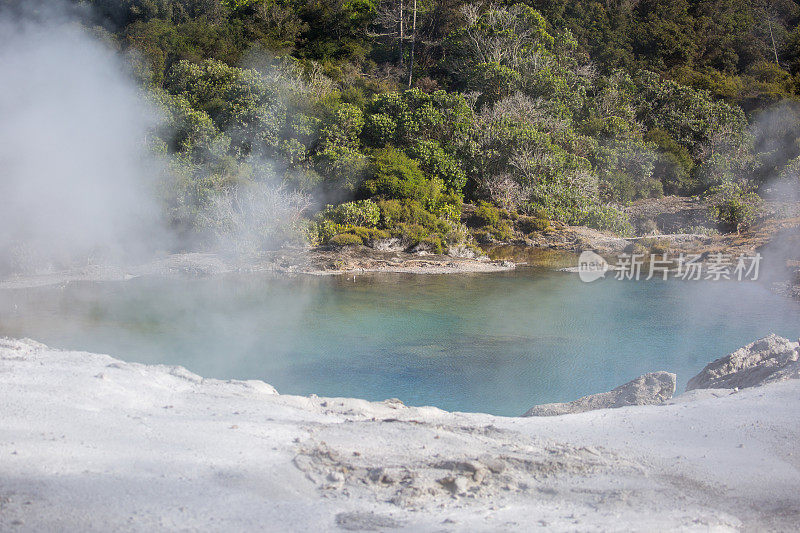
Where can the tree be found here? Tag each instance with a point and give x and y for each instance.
(734, 204)
(336, 28)
(395, 175)
(664, 33)
(390, 21)
(413, 44)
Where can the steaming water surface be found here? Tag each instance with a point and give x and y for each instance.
(496, 343)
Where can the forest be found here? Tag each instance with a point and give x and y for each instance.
(449, 123)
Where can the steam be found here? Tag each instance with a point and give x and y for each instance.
(252, 217)
(776, 132)
(76, 174)
(79, 179)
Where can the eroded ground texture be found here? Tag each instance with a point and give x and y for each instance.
(89, 443)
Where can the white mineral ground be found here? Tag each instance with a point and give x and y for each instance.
(89, 443)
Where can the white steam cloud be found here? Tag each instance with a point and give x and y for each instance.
(75, 173)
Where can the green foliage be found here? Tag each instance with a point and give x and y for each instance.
(534, 158)
(654, 246)
(558, 114)
(608, 218)
(501, 231)
(733, 204)
(395, 212)
(335, 29)
(674, 164)
(361, 213)
(393, 174)
(368, 234)
(491, 225)
(344, 126)
(725, 46)
(321, 230)
(407, 117)
(493, 81)
(168, 31)
(380, 129)
(446, 207)
(776, 135)
(439, 164)
(344, 167)
(354, 218)
(345, 236)
(409, 220)
(528, 224)
(345, 239)
(691, 117)
(720, 84)
(238, 4)
(186, 130)
(486, 214)
(699, 230)
(251, 108)
(626, 171)
(664, 33)
(495, 51)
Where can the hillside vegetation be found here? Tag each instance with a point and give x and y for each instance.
(350, 121)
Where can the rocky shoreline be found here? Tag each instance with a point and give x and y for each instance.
(319, 261)
(776, 237)
(769, 360)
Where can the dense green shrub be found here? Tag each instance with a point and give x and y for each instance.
(674, 165)
(393, 174)
(655, 246)
(436, 162)
(486, 214)
(502, 231)
(344, 168)
(492, 223)
(360, 213)
(408, 117)
(626, 171)
(409, 220)
(369, 234)
(435, 243)
(735, 205)
(528, 224)
(609, 218)
(321, 230)
(490, 234)
(411, 212)
(345, 239)
(447, 207)
(379, 130)
(415, 235)
(699, 230)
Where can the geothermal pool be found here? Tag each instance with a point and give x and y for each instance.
(495, 343)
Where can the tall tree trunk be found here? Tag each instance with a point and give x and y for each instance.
(772, 37)
(400, 39)
(413, 42)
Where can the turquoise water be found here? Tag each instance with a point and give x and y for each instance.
(496, 343)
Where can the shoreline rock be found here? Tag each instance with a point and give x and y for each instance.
(650, 389)
(768, 360)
